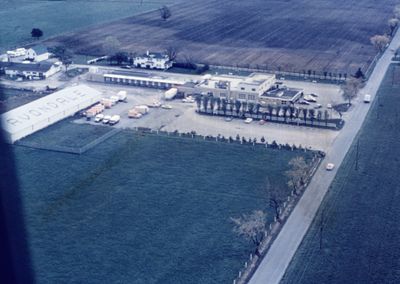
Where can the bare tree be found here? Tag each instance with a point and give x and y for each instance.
(111, 45)
(350, 89)
(275, 200)
(172, 52)
(379, 41)
(392, 23)
(165, 13)
(297, 173)
(251, 226)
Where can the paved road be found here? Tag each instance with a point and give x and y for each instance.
(278, 258)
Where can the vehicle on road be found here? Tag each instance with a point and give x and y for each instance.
(262, 122)
(248, 120)
(367, 98)
(228, 119)
(330, 166)
(329, 106)
(98, 117)
(106, 119)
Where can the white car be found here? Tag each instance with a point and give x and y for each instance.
(228, 119)
(106, 119)
(166, 107)
(248, 120)
(98, 117)
(188, 100)
(330, 166)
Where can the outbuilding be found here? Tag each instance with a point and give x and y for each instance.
(29, 118)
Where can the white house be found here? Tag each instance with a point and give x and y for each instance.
(32, 71)
(153, 60)
(38, 53)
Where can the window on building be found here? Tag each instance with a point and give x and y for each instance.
(242, 96)
(242, 88)
(252, 97)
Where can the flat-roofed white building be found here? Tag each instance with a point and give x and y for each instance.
(31, 117)
(231, 87)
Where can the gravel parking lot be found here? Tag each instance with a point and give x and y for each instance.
(183, 117)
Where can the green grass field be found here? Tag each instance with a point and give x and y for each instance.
(360, 214)
(143, 209)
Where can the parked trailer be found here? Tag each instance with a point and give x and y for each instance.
(134, 114)
(143, 109)
(107, 102)
(171, 93)
(122, 96)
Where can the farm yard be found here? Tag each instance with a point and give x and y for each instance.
(354, 238)
(139, 208)
(297, 36)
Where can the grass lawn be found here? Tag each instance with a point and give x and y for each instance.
(143, 209)
(361, 211)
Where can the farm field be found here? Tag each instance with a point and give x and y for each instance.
(16, 26)
(318, 35)
(143, 209)
(359, 215)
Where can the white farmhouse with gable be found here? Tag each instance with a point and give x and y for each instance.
(153, 60)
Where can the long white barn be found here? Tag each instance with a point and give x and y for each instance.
(36, 115)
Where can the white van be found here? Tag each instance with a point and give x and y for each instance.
(367, 98)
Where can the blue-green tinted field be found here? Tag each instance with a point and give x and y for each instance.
(18, 17)
(360, 242)
(143, 209)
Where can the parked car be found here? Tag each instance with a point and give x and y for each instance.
(317, 106)
(329, 106)
(248, 120)
(367, 98)
(114, 119)
(126, 67)
(106, 119)
(228, 119)
(302, 102)
(188, 99)
(262, 122)
(166, 106)
(98, 117)
(309, 98)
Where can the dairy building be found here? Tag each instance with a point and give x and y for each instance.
(31, 117)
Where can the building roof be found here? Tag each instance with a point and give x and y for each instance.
(282, 93)
(234, 82)
(38, 111)
(39, 49)
(157, 55)
(32, 67)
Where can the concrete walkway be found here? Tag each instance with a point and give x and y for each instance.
(275, 263)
